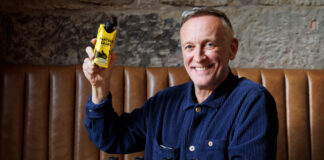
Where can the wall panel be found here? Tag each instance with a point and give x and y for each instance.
(61, 113)
(297, 115)
(274, 81)
(316, 102)
(36, 114)
(12, 103)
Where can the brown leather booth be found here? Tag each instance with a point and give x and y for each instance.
(42, 108)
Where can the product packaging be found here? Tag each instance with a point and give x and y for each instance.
(105, 43)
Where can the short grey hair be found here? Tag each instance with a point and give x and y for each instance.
(202, 11)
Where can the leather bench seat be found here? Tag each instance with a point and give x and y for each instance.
(43, 106)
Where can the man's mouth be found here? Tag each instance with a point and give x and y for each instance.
(203, 68)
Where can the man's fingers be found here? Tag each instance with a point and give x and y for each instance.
(89, 68)
(94, 41)
(90, 53)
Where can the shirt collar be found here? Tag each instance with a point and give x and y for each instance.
(215, 99)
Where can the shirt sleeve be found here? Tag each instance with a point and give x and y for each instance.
(112, 133)
(255, 131)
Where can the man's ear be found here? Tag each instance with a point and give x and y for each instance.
(234, 48)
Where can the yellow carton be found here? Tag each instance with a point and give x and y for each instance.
(105, 43)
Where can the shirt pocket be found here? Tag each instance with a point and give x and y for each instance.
(162, 152)
(210, 149)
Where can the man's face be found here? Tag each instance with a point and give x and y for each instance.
(206, 49)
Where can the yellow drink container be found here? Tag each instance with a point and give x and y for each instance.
(105, 43)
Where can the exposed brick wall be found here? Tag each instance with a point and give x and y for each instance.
(272, 33)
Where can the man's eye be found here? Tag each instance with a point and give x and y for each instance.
(188, 47)
(210, 45)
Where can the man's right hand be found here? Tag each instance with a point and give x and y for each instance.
(98, 77)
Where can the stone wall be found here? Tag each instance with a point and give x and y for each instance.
(272, 33)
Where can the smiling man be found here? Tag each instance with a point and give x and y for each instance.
(207, 46)
(215, 116)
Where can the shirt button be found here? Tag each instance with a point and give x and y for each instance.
(198, 109)
(210, 143)
(90, 110)
(192, 148)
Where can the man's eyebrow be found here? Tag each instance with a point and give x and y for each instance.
(186, 42)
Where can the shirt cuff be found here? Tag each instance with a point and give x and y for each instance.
(95, 111)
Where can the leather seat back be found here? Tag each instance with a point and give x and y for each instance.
(42, 108)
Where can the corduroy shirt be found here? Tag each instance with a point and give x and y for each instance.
(237, 121)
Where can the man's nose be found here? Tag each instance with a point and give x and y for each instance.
(199, 54)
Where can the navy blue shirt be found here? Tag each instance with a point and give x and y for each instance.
(237, 121)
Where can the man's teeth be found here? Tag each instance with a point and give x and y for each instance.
(201, 68)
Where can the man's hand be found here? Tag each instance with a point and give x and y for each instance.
(98, 77)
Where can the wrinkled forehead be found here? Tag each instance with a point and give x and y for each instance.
(207, 11)
(204, 25)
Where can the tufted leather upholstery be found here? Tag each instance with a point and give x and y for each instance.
(42, 108)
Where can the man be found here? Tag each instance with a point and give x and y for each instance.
(215, 116)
